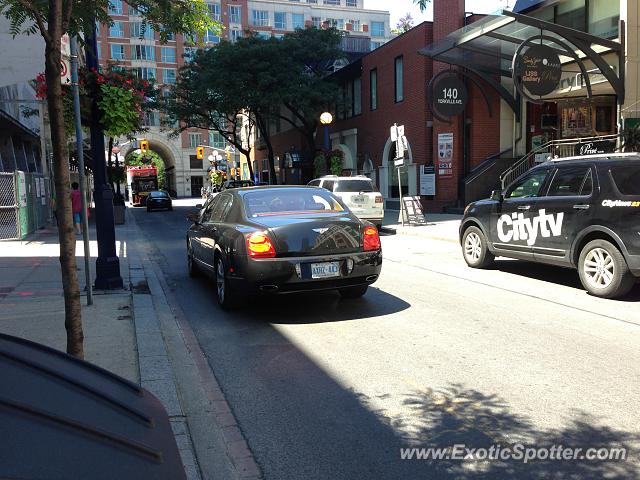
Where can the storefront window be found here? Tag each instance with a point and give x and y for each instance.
(604, 16)
(587, 117)
(576, 121)
(572, 14)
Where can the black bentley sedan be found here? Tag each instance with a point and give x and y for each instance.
(282, 239)
(159, 199)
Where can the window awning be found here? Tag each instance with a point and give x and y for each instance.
(487, 48)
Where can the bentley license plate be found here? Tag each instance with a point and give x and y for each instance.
(325, 270)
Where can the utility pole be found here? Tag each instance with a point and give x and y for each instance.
(107, 264)
(73, 44)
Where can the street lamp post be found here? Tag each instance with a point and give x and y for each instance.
(325, 119)
(107, 264)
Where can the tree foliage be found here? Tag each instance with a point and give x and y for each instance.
(255, 81)
(422, 4)
(52, 19)
(405, 24)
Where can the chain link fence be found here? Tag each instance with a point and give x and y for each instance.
(25, 204)
(9, 229)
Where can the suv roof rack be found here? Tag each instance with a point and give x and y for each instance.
(597, 155)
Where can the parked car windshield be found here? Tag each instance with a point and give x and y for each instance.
(355, 185)
(159, 194)
(287, 202)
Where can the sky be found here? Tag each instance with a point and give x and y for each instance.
(398, 8)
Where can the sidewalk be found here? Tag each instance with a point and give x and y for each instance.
(440, 226)
(135, 332)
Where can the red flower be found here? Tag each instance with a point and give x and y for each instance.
(145, 84)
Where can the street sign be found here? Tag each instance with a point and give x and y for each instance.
(396, 131)
(399, 162)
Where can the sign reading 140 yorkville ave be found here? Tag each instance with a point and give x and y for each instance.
(450, 96)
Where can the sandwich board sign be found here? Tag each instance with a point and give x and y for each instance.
(412, 211)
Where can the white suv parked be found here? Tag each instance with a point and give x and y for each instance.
(358, 193)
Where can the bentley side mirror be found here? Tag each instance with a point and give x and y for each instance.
(193, 217)
(198, 206)
(497, 195)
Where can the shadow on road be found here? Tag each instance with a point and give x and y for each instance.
(302, 422)
(553, 275)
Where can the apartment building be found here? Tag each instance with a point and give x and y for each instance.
(133, 44)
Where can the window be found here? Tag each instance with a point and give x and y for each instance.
(170, 36)
(264, 35)
(572, 14)
(195, 139)
(152, 119)
(145, 73)
(115, 7)
(143, 52)
(373, 86)
(337, 23)
(189, 53)
(529, 186)
(317, 22)
(331, 2)
(287, 201)
(169, 76)
(603, 18)
(195, 163)
(234, 35)
(116, 30)
(280, 20)
(357, 96)
(221, 209)
(216, 140)
(571, 181)
(211, 37)
(141, 30)
(627, 179)
(235, 14)
(260, 18)
(375, 45)
(377, 29)
(352, 3)
(168, 55)
(117, 51)
(328, 184)
(354, 186)
(399, 76)
(134, 12)
(297, 20)
(356, 25)
(214, 11)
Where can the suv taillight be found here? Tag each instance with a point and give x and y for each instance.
(371, 239)
(379, 199)
(259, 246)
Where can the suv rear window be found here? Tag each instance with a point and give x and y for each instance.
(627, 179)
(355, 185)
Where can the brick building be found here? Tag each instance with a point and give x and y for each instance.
(131, 43)
(503, 128)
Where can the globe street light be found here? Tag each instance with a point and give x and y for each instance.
(325, 119)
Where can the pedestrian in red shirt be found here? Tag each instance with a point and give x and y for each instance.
(76, 206)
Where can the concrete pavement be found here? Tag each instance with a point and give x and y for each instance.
(134, 333)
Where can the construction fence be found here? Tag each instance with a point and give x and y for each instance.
(25, 204)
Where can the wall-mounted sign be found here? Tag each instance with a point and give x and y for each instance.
(427, 180)
(539, 69)
(450, 96)
(595, 148)
(445, 154)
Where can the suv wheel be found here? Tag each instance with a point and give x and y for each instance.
(604, 271)
(475, 250)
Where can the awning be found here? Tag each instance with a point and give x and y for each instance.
(487, 49)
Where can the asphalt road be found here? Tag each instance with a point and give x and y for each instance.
(435, 354)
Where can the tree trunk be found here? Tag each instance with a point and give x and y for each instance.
(66, 232)
(264, 131)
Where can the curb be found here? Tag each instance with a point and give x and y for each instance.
(243, 464)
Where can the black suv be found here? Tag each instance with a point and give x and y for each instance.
(580, 212)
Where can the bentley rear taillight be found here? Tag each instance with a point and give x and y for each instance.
(259, 246)
(371, 239)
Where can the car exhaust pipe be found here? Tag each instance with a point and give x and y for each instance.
(371, 278)
(269, 288)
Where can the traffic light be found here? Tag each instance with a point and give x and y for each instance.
(228, 154)
(144, 146)
(199, 153)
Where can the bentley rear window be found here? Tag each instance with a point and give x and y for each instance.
(288, 202)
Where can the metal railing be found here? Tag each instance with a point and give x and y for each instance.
(565, 147)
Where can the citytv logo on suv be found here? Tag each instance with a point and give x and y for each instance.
(515, 227)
